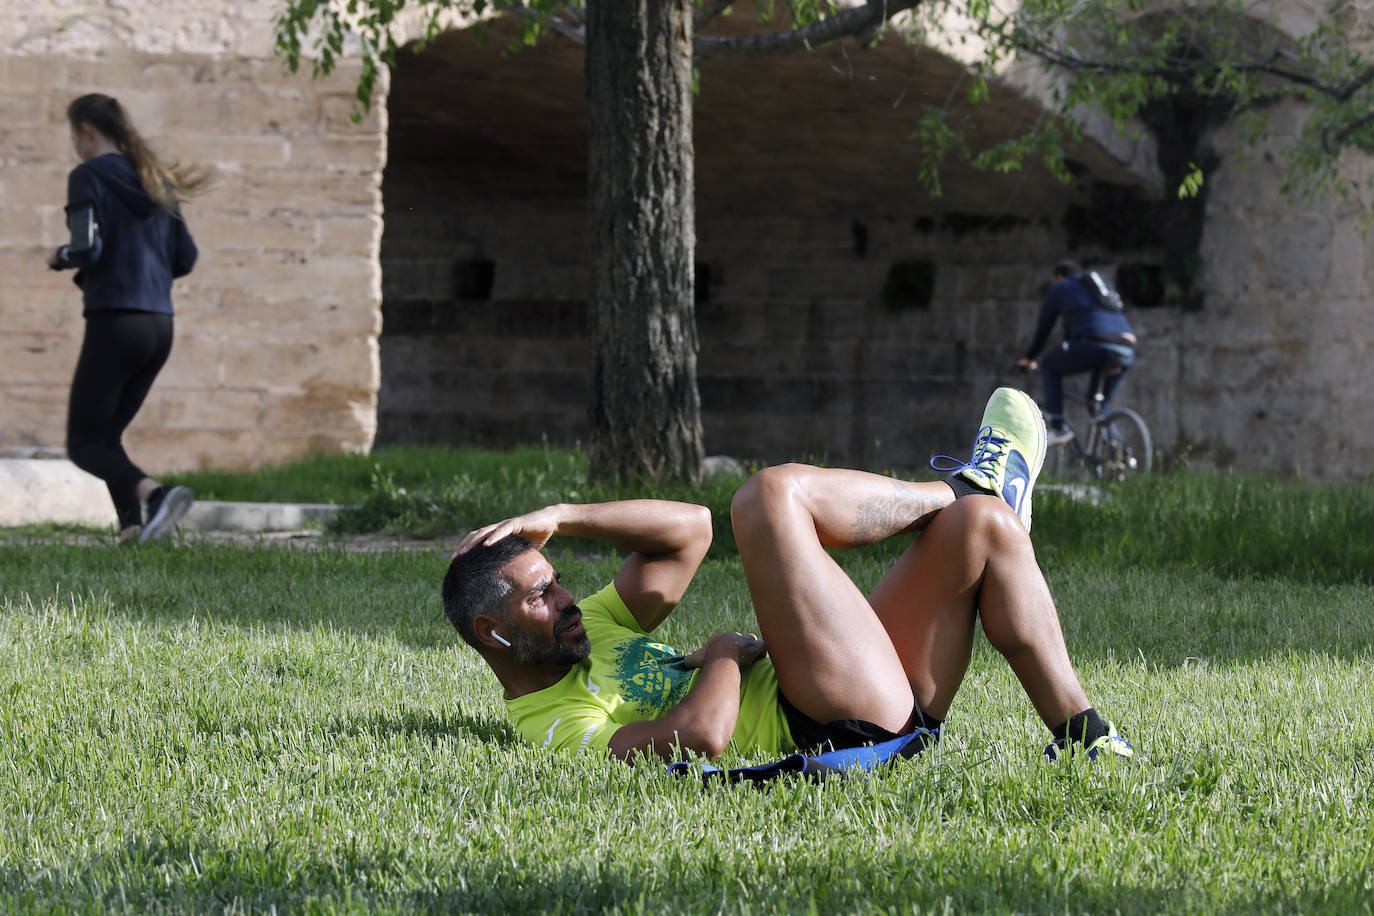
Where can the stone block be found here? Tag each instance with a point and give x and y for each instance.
(350, 235)
(1346, 256)
(164, 451)
(269, 364)
(417, 279)
(36, 185)
(254, 317)
(277, 229)
(834, 278)
(23, 226)
(252, 109)
(40, 356)
(555, 282)
(293, 276)
(37, 491)
(29, 109)
(315, 192)
(320, 412)
(28, 72)
(237, 152)
(40, 404)
(168, 118)
(118, 68)
(360, 152)
(196, 360)
(211, 408)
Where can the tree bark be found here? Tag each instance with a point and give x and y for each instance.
(645, 413)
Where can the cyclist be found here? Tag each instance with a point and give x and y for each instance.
(1096, 336)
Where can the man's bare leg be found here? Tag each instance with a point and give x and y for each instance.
(833, 656)
(835, 650)
(976, 557)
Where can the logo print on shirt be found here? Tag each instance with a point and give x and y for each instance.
(651, 686)
(548, 738)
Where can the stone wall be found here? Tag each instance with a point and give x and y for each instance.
(1273, 373)
(799, 354)
(808, 214)
(802, 354)
(276, 336)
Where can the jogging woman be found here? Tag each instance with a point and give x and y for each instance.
(129, 242)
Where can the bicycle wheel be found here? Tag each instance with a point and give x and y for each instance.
(1124, 444)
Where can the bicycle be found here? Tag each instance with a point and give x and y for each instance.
(1117, 442)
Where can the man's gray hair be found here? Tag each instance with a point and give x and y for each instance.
(474, 584)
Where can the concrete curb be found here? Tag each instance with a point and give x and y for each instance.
(46, 490)
(1082, 491)
(224, 516)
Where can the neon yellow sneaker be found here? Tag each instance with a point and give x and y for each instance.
(1109, 745)
(1008, 453)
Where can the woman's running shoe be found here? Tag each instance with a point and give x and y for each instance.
(166, 506)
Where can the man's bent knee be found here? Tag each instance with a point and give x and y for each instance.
(984, 516)
(764, 494)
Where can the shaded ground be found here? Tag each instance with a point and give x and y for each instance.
(305, 539)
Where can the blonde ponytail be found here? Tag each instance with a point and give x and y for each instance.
(169, 185)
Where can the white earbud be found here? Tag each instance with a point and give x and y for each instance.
(501, 639)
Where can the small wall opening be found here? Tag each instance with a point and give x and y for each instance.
(1141, 285)
(473, 278)
(910, 286)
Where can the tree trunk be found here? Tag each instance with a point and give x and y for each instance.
(645, 413)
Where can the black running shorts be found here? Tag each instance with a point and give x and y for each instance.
(812, 737)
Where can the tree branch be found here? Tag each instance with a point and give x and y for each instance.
(864, 21)
(575, 31)
(1332, 141)
(709, 10)
(1074, 63)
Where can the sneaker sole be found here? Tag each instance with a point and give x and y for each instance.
(174, 507)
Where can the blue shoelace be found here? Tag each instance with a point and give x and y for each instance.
(987, 449)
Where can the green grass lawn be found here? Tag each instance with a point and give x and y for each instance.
(212, 728)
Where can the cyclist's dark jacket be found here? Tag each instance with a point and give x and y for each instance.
(1084, 319)
(141, 247)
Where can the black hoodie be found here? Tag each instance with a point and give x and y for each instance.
(141, 247)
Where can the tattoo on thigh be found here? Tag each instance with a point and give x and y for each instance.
(882, 517)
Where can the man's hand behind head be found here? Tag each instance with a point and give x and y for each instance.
(536, 527)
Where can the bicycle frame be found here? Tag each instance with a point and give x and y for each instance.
(1100, 449)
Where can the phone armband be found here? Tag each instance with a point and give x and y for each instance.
(81, 222)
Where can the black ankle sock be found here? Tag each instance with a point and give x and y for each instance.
(1085, 727)
(963, 487)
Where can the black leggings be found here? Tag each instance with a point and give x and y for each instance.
(121, 355)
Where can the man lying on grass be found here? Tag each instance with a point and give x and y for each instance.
(841, 670)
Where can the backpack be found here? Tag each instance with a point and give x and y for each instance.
(1107, 297)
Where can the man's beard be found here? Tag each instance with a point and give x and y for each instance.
(558, 654)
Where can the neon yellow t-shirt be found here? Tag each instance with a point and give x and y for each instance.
(629, 678)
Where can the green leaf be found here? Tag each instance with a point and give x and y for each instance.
(1191, 183)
